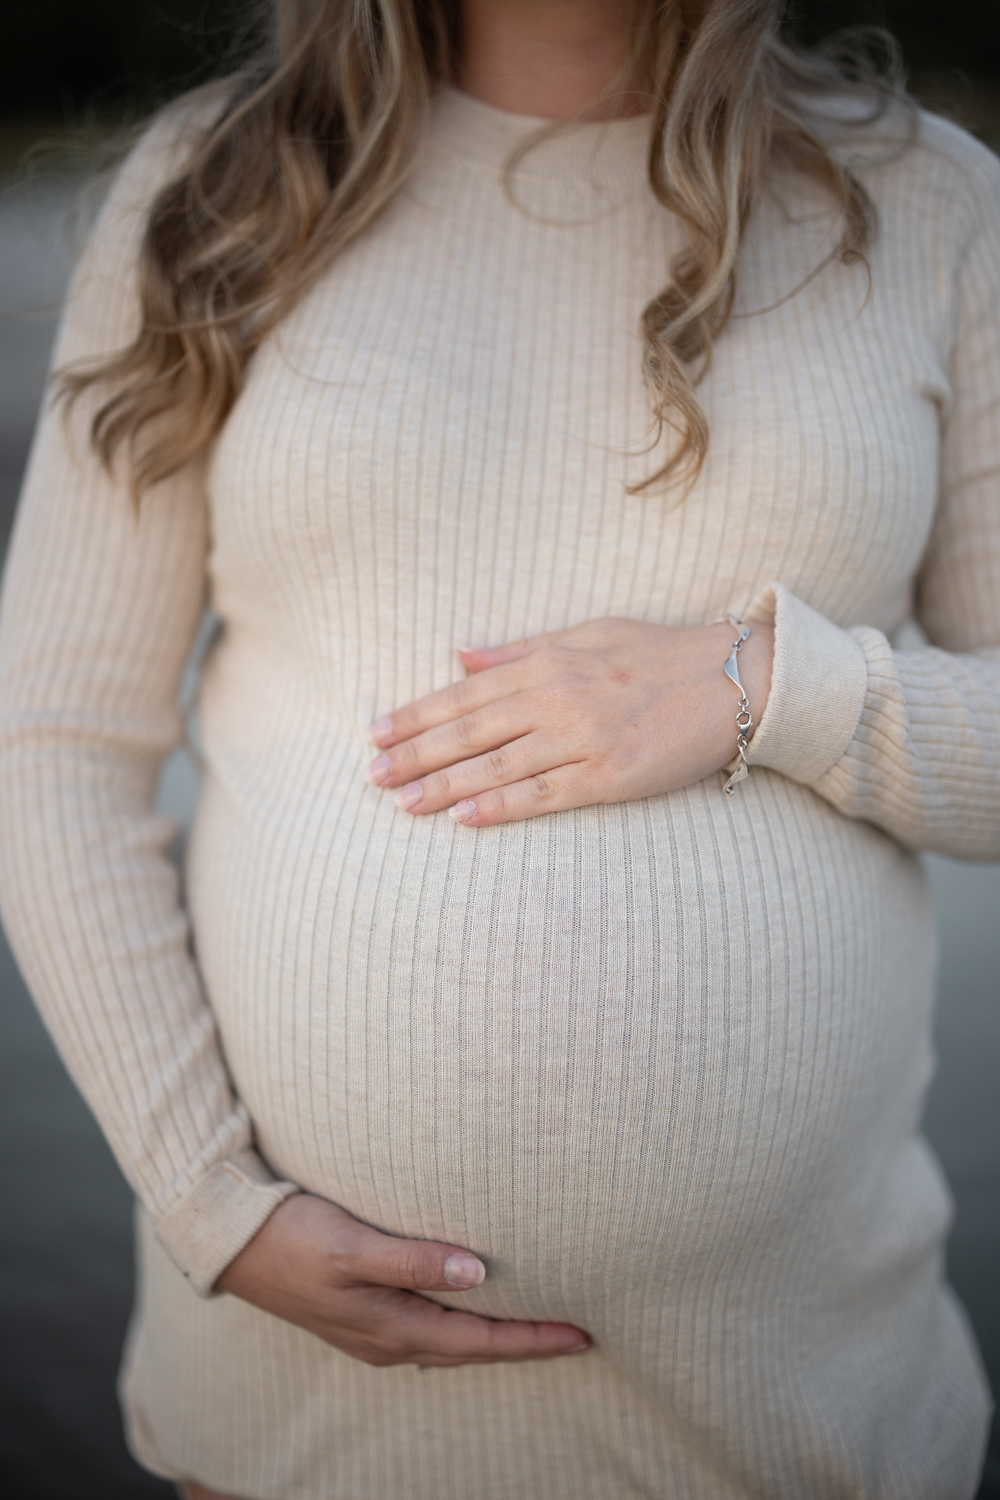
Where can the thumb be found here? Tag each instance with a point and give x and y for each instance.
(415, 1265)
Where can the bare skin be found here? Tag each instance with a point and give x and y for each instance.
(316, 1266)
(612, 709)
(546, 58)
(608, 711)
(604, 712)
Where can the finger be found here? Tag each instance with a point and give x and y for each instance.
(372, 1258)
(549, 791)
(449, 703)
(487, 729)
(439, 1335)
(530, 755)
(477, 658)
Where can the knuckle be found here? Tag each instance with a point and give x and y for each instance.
(439, 785)
(575, 786)
(521, 649)
(499, 803)
(617, 759)
(605, 760)
(467, 731)
(456, 695)
(410, 1266)
(344, 1257)
(619, 764)
(549, 658)
(541, 789)
(497, 764)
(567, 687)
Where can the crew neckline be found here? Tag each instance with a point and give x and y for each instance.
(531, 120)
(595, 152)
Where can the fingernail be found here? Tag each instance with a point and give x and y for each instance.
(379, 770)
(380, 730)
(462, 812)
(579, 1349)
(409, 796)
(464, 1270)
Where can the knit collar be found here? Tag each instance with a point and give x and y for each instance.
(603, 155)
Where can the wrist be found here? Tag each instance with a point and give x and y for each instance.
(756, 661)
(250, 1268)
(748, 671)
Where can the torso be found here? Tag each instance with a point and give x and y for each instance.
(642, 1036)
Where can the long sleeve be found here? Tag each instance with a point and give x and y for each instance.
(100, 606)
(910, 740)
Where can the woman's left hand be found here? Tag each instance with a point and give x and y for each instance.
(604, 712)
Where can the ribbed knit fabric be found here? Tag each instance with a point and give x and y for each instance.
(661, 1064)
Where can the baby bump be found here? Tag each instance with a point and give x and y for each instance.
(646, 1035)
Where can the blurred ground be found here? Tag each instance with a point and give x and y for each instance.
(65, 1235)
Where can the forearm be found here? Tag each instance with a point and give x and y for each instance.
(90, 904)
(909, 741)
(924, 762)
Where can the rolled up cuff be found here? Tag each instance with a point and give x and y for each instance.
(219, 1216)
(818, 684)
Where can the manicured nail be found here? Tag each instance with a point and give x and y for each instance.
(409, 796)
(379, 770)
(579, 1349)
(380, 730)
(464, 1271)
(462, 812)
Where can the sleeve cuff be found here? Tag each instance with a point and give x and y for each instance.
(818, 685)
(224, 1210)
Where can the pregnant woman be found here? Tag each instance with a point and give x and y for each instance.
(514, 1113)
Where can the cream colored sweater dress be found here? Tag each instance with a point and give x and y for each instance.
(661, 1063)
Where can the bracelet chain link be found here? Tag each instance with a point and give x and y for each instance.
(739, 768)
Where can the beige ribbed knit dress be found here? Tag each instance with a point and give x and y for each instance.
(661, 1064)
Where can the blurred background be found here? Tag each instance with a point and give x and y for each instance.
(73, 75)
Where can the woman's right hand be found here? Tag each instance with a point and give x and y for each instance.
(316, 1266)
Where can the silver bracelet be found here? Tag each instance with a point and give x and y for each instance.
(740, 767)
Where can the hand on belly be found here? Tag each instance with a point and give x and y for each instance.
(316, 1266)
(604, 712)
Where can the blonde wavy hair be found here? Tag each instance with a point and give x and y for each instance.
(320, 129)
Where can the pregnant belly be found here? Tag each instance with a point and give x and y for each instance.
(655, 1034)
